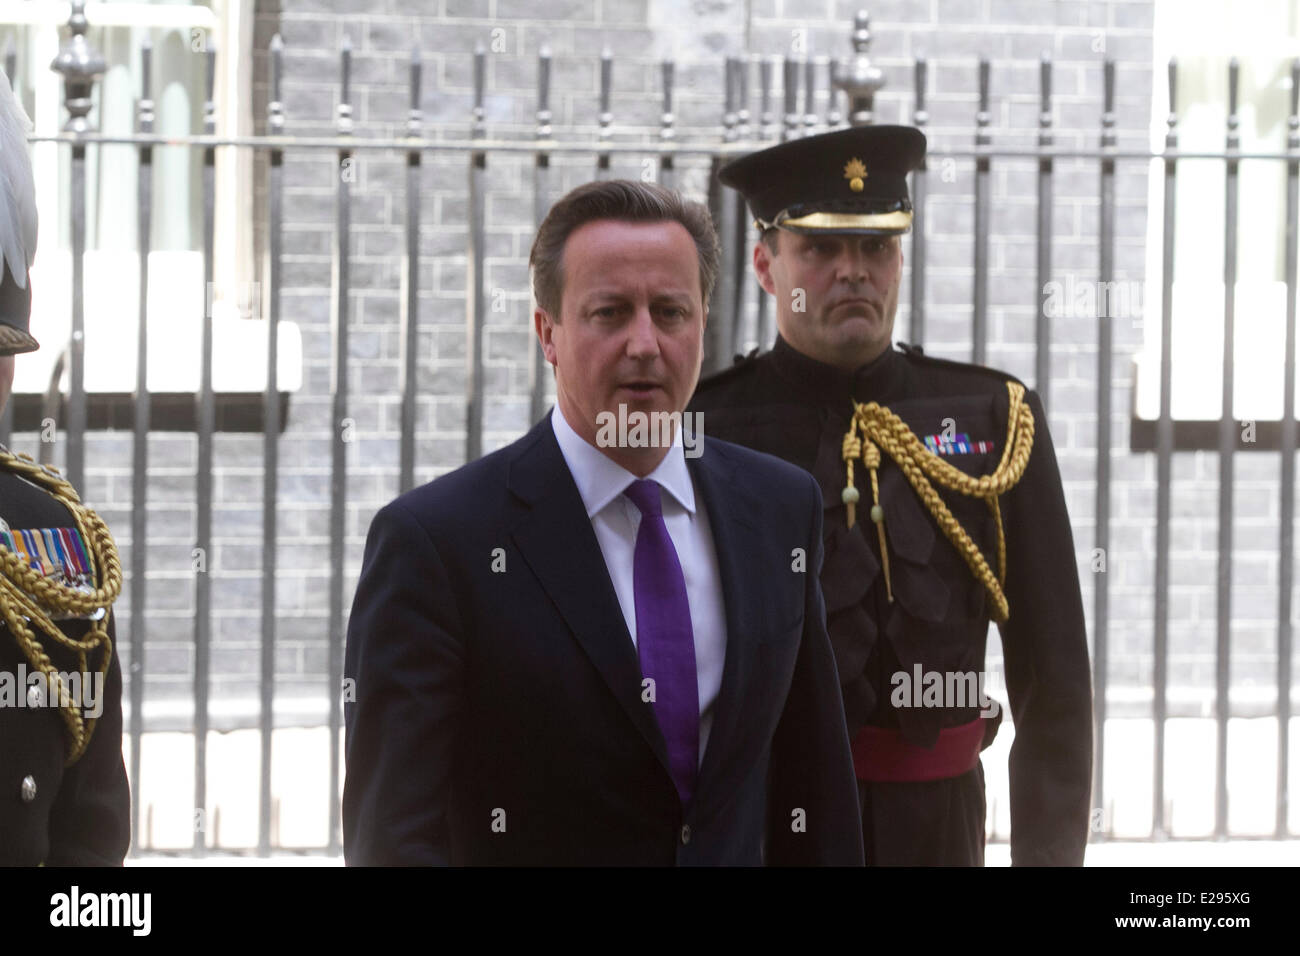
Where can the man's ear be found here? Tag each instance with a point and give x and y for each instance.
(763, 267)
(545, 327)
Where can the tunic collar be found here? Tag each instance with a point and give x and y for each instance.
(878, 380)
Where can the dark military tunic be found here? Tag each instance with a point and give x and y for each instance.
(799, 409)
(73, 816)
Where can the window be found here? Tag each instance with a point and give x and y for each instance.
(180, 33)
(1204, 35)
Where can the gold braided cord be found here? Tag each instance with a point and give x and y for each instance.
(853, 448)
(28, 599)
(882, 429)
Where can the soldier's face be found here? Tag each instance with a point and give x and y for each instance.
(6, 379)
(630, 331)
(836, 295)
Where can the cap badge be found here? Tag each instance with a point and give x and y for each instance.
(855, 172)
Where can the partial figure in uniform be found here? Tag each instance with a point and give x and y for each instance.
(64, 798)
(943, 510)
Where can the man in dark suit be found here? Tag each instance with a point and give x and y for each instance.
(586, 648)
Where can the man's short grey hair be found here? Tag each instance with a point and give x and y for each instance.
(625, 200)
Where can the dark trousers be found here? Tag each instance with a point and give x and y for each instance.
(935, 823)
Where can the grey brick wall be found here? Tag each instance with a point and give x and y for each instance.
(952, 34)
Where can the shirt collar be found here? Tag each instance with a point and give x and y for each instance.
(600, 479)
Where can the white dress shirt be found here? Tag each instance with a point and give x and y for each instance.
(615, 519)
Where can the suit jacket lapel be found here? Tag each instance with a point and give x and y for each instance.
(733, 509)
(556, 540)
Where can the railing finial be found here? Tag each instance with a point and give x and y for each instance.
(275, 107)
(81, 64)
(414, 114)
(858, 78)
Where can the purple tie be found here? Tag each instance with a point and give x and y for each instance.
(664, 639)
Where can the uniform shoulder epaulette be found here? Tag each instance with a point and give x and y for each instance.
(740, 365)
(916, 354)
(48, 478)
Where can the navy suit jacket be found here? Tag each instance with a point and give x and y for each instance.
(496, 714)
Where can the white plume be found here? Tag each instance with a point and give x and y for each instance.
(17, 187)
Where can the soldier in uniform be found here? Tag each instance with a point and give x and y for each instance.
(64, 798)
(943, 510)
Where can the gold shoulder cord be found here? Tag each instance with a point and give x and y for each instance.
(881, 427)
(29, 598)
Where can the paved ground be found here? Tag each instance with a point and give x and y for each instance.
(300, 776)
(1183, 854)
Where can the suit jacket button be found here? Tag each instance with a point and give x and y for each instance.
(29, 788)
(686, 832)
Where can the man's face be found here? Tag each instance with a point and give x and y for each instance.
(6, 379)
(847, 287)
(631, 327)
